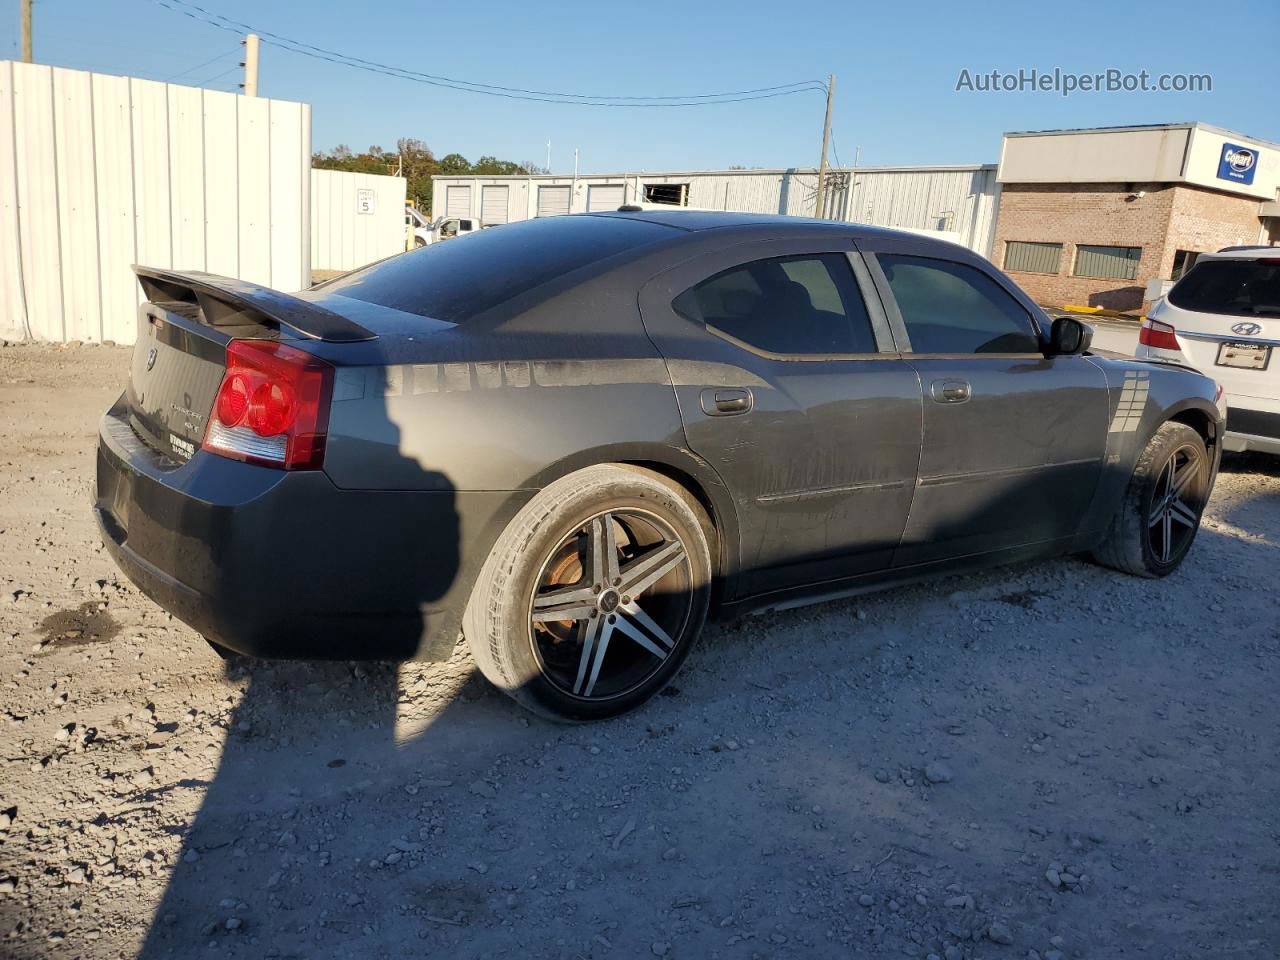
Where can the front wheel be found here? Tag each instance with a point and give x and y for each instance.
(1160, 514)
(594, 594)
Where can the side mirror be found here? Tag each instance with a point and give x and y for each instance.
(1069, 337)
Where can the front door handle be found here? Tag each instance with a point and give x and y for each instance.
(950, 391)
(725, 401)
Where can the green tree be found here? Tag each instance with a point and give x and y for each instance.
(454, 163)
(414, 160)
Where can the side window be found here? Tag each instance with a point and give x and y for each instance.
(955, 308)
(789, 305)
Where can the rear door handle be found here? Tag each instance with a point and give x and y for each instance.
(725, 401)
(950, 391)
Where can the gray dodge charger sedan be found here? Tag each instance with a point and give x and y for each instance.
(570, 439)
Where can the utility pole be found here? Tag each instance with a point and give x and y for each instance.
(26, 31)
(250, 64)
(826, 136)
(548, 166)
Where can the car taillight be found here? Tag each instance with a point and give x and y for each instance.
(1162, 336)
(272, 407)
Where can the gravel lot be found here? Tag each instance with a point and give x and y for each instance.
(1050, 760)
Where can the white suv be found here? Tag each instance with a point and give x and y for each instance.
(1223, 317)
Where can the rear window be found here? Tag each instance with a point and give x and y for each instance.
(459, 278)
(1239, 288)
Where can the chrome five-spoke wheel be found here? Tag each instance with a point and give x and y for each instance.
(613, 597)
(1157, 521)
(594, 594)
(1176, 503)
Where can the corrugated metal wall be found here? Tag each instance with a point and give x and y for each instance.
(99, 172)
(950, 200)
(954, 203)
(350, 228)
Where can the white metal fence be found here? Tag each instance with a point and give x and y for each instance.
(100, 172)
(356, 218)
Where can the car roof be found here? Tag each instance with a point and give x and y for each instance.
(694, 221)
(1243, 253)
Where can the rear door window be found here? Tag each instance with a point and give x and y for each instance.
(807, 305)
(1239, 288)
(953, 308)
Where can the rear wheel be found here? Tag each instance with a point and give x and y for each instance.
(1160, 515)
(594, 595)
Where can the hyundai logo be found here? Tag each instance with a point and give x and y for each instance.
(1239, 159)
(1247, 329)
(151, 358)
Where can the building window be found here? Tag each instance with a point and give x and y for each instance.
(1107, 263)
(676, 194)
(1024, 257)
(1183, 260)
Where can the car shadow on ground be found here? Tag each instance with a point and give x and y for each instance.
(374, 810)
(1263, 463)
(378, 810)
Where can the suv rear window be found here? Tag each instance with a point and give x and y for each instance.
(459, 278)
(1239, 288)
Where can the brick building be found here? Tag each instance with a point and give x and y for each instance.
(1109, 217)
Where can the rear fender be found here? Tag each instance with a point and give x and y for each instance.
(681, 466)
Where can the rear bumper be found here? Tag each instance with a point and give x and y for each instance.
(1252, 430)
(274, 563)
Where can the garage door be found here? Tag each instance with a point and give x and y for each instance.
(553, 201)
(493, 205)
(606, 196)
(457, 201)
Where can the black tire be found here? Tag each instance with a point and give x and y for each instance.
(419, 242)
(1141, 541)
(525, 651)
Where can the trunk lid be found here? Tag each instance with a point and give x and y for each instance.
(174, 376)
(179, 356)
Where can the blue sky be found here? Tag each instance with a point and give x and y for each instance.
(896, 66)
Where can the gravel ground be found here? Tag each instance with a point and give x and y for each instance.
(1050, 760)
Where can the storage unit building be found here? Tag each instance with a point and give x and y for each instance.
(957, 203)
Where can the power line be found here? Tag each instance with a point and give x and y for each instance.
(196, 12)
(202, 63)
(216, 76)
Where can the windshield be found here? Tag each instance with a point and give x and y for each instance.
(1240, 288)
(457, 280)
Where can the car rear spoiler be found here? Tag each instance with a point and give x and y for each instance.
(224, 301)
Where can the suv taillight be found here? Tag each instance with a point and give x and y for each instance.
(1162, 336)
(272, 407)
